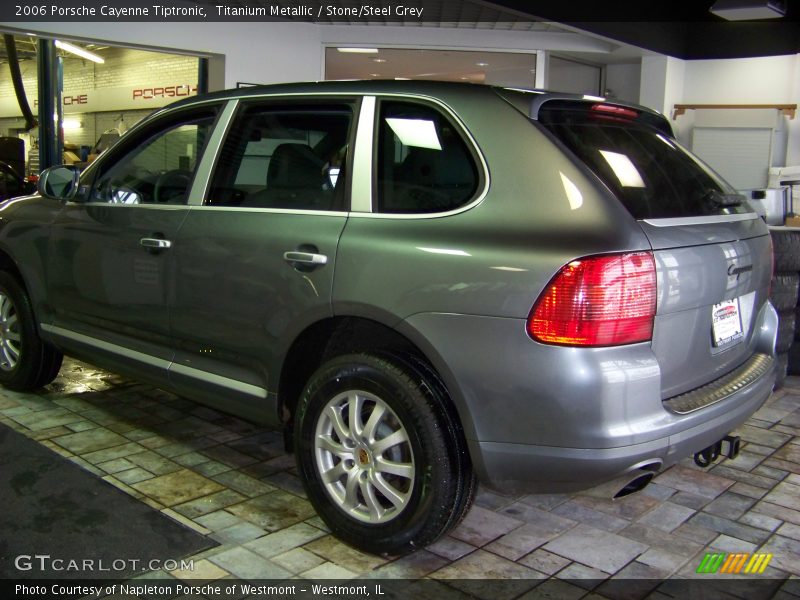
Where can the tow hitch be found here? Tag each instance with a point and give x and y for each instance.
(727, 446)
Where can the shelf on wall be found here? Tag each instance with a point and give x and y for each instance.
(788, 110)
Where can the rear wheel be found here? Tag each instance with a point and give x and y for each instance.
(381, 460)
(781, 369)
(786, 327)
(26, 362)
(784, 291)
(786, 245)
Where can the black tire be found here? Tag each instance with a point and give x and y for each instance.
(26, 362)
(784, 291)
(781, 370)
(786, 245)
(427, 376)
(439, 489)
(796, 319)
(793, 360)
(786, 328)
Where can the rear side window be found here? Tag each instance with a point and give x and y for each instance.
(651, 174)
(424, 165)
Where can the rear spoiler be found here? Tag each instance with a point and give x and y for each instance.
(532, 102)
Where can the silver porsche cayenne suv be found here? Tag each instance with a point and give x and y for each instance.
(426, 285)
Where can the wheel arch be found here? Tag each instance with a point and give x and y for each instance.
(31, 281)
(348, 334)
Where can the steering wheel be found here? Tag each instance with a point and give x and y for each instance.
(172, 186)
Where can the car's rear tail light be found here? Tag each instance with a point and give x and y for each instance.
(598, 301)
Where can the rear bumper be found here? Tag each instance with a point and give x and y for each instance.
(528, 468)
(546, 419)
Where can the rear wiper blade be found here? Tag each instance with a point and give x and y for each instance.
(721, 200)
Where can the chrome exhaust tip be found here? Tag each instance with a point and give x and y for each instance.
(627, 484)
(637, 484)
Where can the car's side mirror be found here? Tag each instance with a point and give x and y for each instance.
(59, 183)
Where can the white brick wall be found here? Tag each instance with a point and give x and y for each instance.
(123, 67)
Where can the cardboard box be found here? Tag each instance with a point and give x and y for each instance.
(793, 221)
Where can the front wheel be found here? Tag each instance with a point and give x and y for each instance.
(26, 362)
(380, 457)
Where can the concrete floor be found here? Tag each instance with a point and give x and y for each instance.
(232, 481)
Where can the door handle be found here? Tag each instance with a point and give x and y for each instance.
(155, 243)
(306, 258)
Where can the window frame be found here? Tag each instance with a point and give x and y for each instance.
(159, 122)
(302, 103)
(481, 168)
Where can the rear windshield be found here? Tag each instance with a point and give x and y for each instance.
(651, 174)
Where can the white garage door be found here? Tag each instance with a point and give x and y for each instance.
(741, 156)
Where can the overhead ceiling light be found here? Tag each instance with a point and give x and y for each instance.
(359, 50)
(379, 60)
(66, 47)
(481, 64)
(747, 10)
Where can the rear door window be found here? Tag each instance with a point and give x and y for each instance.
(423, 163)
(289, 157)
(647, 169)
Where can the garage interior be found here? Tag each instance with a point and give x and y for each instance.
(730, 90)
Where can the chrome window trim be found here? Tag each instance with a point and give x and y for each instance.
(204, 170)
(361, 186)
(358, 159)
(468, 138)
(230, 119)
(145, 122)
(167, 365)
(150, 206)
(288, 211)
(708, 220)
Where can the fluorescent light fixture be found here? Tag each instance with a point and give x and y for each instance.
(624, 169)
(417, 133)
(66, 47)
(71, 124)
(593, 98)
(747, 10)
(359, 50)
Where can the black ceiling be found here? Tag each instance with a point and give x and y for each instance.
(680, 28)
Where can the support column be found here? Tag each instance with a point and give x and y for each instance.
(50, 144)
